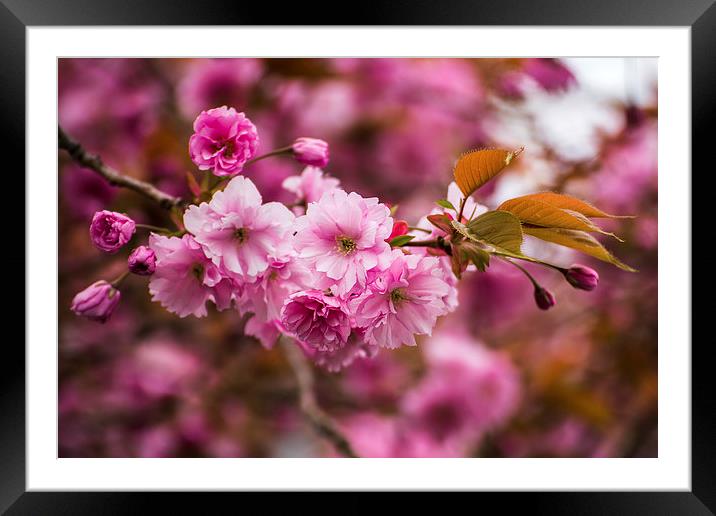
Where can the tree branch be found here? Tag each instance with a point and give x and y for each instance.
(94, 162)
(320, 421)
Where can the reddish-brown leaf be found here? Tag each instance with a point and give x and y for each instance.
(475, 168)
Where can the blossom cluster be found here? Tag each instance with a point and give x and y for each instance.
(327, 277)
(171, 387)
(323, 272)
(326, 271)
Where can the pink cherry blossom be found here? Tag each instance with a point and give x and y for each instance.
(404, 300)
(319, 320)
(238, 232)
(343, 237)
(185, 279)
(111, 230)
(223, 141)
(310, 185)
(265, 297)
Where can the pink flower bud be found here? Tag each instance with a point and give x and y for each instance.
(544, 298)
(311, 151)
(400, 228)
(582, 277)
(142, 261)
(110, 230)
(96, 302)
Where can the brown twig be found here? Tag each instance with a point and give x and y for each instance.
(320, 421)
(94, 162)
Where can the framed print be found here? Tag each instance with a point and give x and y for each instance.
(447, 252)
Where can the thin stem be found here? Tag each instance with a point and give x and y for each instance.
(320, 421)
(423, 243)
(115, 178)
(277, 152)
(156, 229)
(415, 228)
(506, 257)
(119, 279)
(463, 202)
(222, 182)
(525, 271)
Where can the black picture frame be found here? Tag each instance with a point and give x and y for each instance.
(17, 15)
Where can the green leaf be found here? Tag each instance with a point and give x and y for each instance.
(491, 248)
(393, 210)
(462, 229)
(456, 262)
(444, 203)
(476, 255)
(499, 228)
(578, 240)
(401, 240)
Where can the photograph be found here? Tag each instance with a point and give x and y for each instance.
(370, 257)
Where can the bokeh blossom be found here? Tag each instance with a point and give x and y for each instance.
(217, 82)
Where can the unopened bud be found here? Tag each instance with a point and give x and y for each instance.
(142, 261)
(311, 151)
(400, 228)
(582, 277)
(544, 298)
(96, 302)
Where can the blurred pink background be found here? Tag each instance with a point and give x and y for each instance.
(499, 378)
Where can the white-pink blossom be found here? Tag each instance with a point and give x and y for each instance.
(265, 297)
(185, 279)
(403, 301)
(238, 232)
(343, 237)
